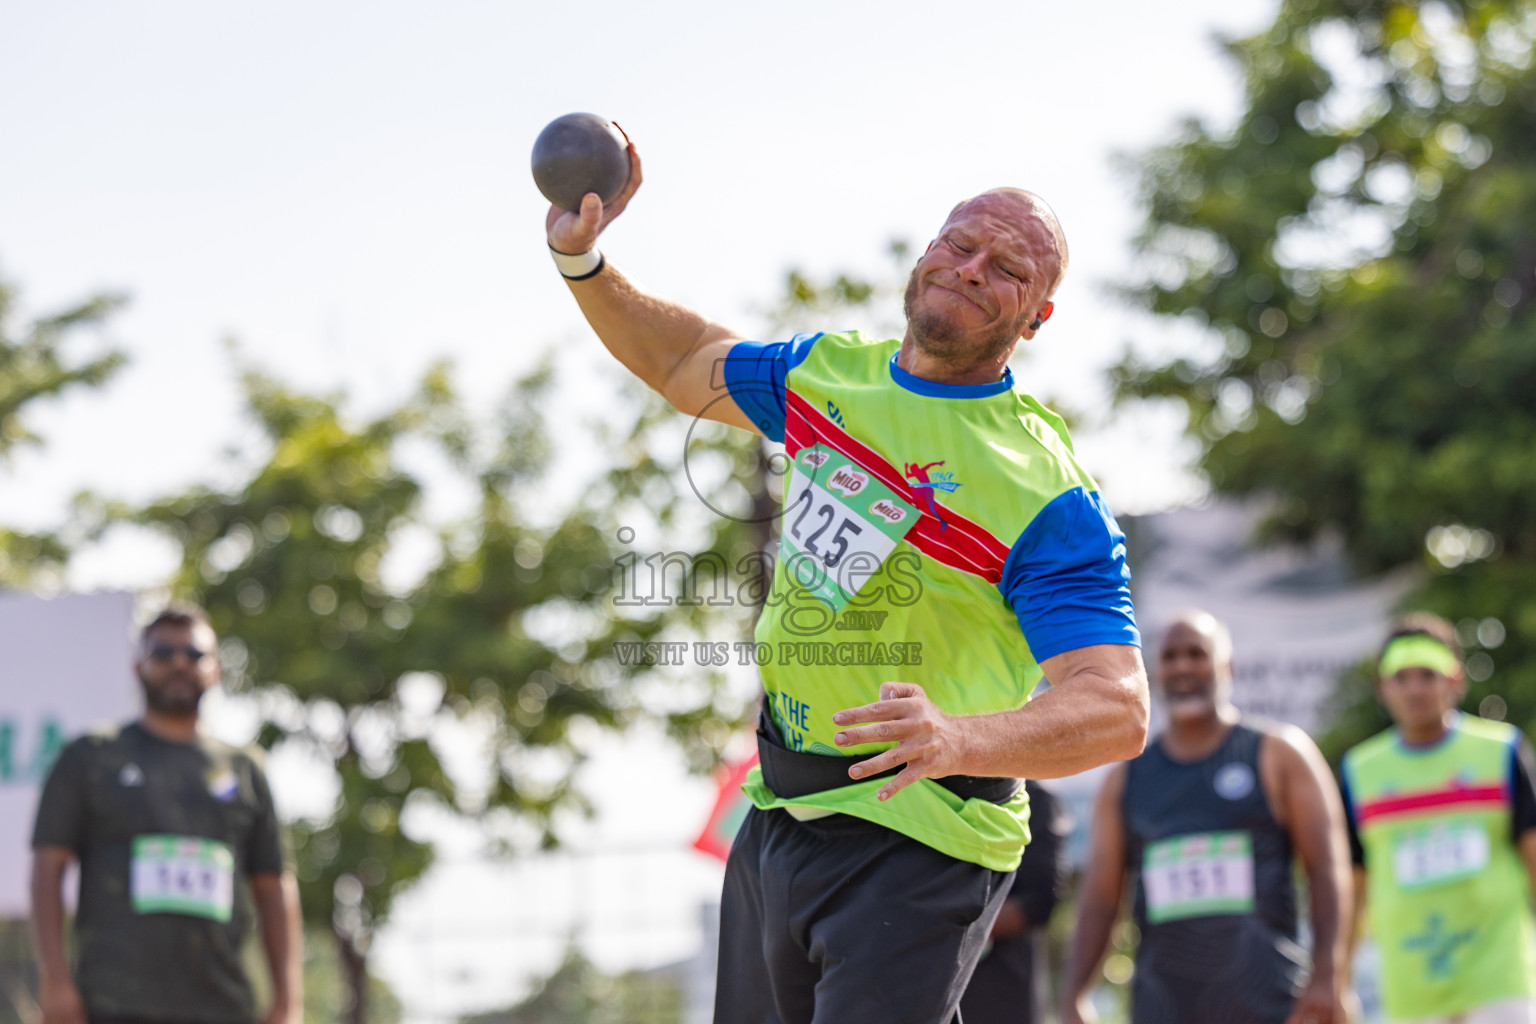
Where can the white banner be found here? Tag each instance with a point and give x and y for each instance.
(1298, 618)
(66, 666)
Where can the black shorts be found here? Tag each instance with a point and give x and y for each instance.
(1224, 970)
(842, 921)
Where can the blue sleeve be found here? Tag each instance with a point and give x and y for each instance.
(755, 374)
(1066, 578)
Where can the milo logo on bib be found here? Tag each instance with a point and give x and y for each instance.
(840, 524)
(848, 481)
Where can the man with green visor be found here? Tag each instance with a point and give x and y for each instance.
(1442, 823)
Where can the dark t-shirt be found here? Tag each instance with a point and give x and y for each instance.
(1522, 781)
(1209, 952)
(109, 789)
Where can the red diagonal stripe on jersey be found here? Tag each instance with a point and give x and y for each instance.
(953, 551)
(953, 547)
(1413, 803)
(964, 545)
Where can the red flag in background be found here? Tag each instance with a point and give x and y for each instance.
(731, 806)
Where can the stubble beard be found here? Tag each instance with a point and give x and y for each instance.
(159, 699)
(937, 337)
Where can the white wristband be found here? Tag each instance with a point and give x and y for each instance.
(580, 266)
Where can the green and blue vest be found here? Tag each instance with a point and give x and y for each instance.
(1448, 894)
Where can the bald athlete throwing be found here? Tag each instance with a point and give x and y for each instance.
(940, 551)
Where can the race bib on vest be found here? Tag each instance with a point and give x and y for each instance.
(1198, 875)
(840, 523)
(182, 875)
(1439, 854)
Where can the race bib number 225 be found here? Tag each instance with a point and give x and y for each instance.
(840, 523)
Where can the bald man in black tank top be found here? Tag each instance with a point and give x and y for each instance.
(1206, 822)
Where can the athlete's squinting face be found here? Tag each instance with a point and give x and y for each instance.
(990, 272)
(1418, 699)
(176, 666)
(1194, 675)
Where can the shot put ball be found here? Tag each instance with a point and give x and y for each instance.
(577, 154)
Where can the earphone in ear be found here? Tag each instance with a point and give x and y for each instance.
(1036, 325)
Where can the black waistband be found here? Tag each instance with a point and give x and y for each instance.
(792, 773)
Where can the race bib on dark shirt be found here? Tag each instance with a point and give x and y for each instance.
(1198, 875)
(182, 875)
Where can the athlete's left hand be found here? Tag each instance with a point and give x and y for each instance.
(928, 741)
(283, 1013)
(1319, 1004)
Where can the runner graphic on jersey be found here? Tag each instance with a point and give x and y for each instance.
(942, 481)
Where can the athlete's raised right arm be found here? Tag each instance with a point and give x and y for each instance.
(671, 348)
(1098, 899)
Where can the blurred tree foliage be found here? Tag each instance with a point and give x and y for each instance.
(1359, 253)
(327, 991)
(809, 303)
(578, 993)
(468, 685)
(36, 364)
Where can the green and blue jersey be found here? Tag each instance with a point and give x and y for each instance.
(937, 534)
(1449, 899)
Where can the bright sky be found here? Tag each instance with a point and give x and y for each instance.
(344, 189)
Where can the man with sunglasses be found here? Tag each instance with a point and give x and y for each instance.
(169, 827)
